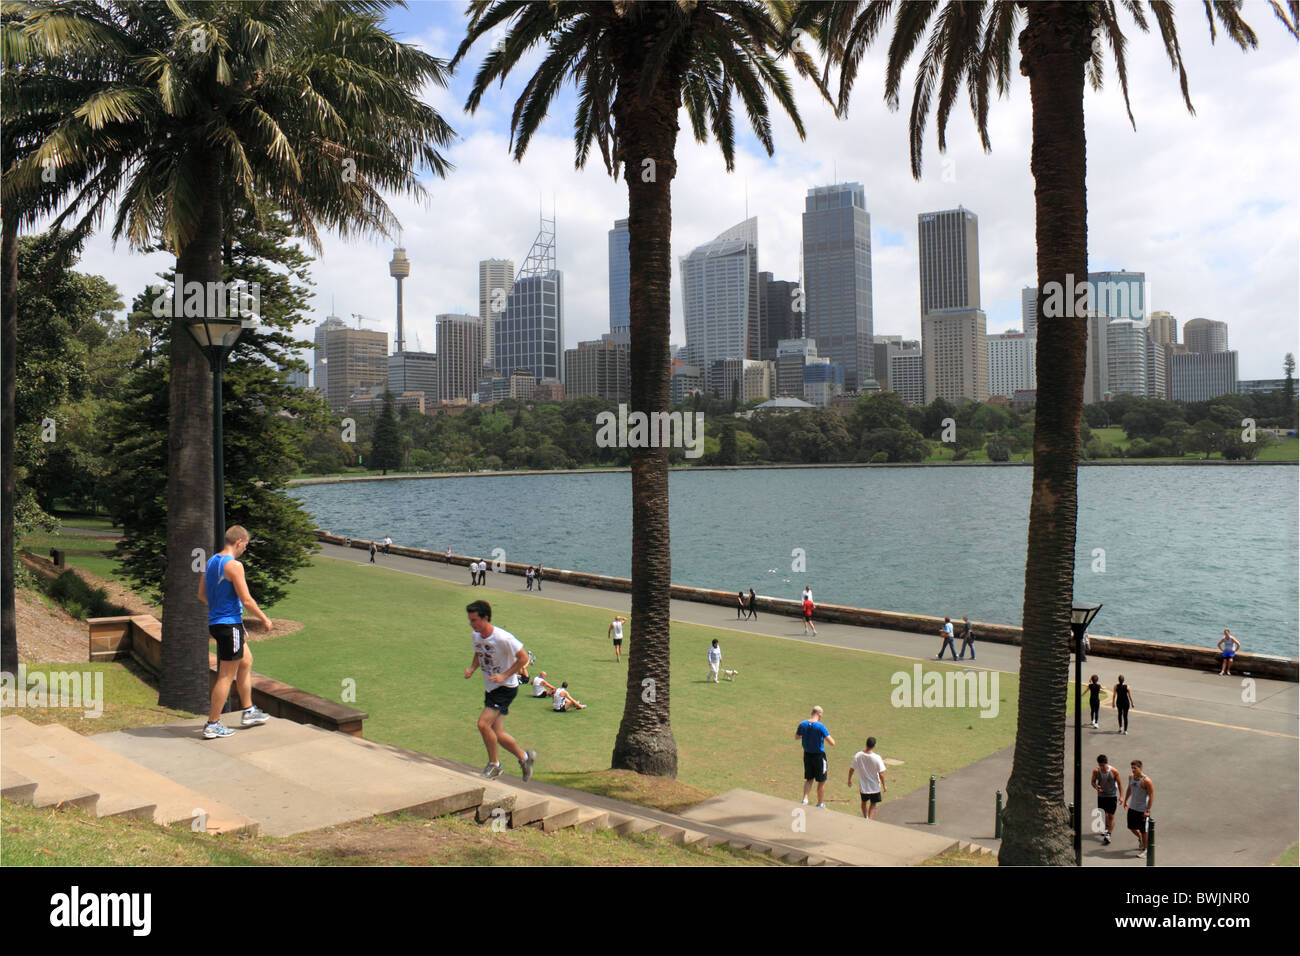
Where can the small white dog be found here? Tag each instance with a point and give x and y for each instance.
(731, 675)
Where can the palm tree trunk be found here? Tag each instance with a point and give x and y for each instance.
(648, 130)
(1055, 46)
(184, 682)
(8, 346)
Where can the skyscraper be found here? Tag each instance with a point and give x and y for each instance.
(320, 367)
(1029, 310)
(358, 364)
(495, 278)
(1126, 357)
(1011, 362)
(953, 326)
(1200, 376)
(1163, 328)
(1206, 336)
(948, 247)
(780, 320)
(720, 297)
(461, 342)
(620, 285)
(1113, 295)
(530, 335)
(837, 278)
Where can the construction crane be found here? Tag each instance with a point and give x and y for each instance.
(362, 318)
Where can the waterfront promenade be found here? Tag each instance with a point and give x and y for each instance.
(1225, 769)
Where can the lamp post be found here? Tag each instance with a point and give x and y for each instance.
(1081, 616)
(216, 337)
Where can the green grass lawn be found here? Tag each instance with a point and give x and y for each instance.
(404, 641)
(84, 551)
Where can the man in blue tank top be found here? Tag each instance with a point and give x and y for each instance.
(224, 590)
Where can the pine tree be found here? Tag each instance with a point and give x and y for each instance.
(386, 446)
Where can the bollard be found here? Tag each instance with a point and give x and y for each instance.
(931, 820)
(997, 819)
(1151, 842)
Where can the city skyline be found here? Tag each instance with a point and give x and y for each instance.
(1198, 257)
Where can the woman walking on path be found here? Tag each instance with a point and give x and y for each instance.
(1122, 702)
(1094, 699)
(740, 604)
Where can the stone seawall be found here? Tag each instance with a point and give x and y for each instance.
(1151, 652)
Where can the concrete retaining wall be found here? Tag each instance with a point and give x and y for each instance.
(924, 626)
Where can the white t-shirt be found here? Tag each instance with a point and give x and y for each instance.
(715, 655)
(807, 595)
(539, 687)
(561, 695)
(618, 630)
(496, 655)
(869, 767)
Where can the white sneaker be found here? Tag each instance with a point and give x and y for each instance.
(805, 801)
(821, 806)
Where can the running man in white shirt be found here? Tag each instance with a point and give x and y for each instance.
(871, 777)
(616, 633)
(501, 656)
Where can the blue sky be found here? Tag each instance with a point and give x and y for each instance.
(1205, 205)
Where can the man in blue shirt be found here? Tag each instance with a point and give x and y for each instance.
(814, 735)
(224, 589)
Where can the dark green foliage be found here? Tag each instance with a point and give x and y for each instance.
(386, 446)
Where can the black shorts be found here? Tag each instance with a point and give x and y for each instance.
(807, 617)
(230, 641)
(1107, 804)
(500, 699)
(1137, 820)
(871, 797)
(618, 642)
(814, 767)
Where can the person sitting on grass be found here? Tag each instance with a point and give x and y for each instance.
(540, 687)
(565, 701)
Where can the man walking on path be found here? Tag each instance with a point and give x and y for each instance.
(538, 576)
(1228, 647)
(373, 549)
(753, 604)
(946, 633)
(740, 605)
(1106, 781)
(616, 635)
(224, 589)
(1139, 797)
(388, 543)
(967, 638)
(715, 659)
(814, 735)
(871, 777)
(501, 656)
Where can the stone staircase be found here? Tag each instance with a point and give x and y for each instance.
(283, 778)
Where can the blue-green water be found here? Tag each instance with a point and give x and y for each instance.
(1188, 551)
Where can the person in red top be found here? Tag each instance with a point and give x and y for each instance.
(807, 616)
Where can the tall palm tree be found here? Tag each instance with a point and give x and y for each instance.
(1060, 47)
(635, 65)
(200, 106)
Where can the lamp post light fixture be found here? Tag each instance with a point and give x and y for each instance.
(216, 337)
(1081, 615)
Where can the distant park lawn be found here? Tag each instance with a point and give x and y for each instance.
(403, 642)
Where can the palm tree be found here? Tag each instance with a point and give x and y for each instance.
(200, 108)
(1061, 46)
(635, 65)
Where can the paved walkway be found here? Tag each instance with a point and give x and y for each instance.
(1222, 752)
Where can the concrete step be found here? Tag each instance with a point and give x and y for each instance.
(561, 816)
(115, 797)
(17, 787)
(631, 825)
(529, 809)
(53, 789)
(590, 820)
(293, 777)
(110, 774)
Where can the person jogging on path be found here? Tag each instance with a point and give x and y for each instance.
(616, 635)
(501, 656)
(808, 616)
(1094, 700)
(814, 736)
(1106, 781)
(1139, 797)
(967, 638)
(946, 633)
(1122, 702)
(224, 589)
(871, 777)
(1228, 647)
